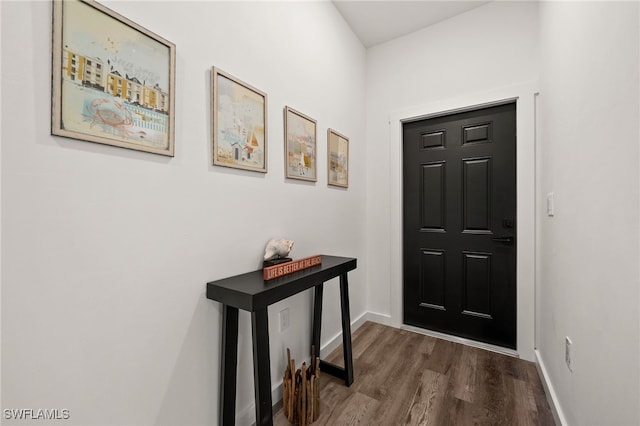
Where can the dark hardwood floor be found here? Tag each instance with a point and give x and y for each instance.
(406, 378)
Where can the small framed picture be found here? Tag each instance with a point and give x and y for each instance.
(300, 145)
(112, 80)
(239, 123)
(338, 159)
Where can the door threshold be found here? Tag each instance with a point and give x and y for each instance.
(462, 340)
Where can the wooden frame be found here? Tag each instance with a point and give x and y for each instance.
(337, 159)
(112, 80)
(239, 123)
(300, 133)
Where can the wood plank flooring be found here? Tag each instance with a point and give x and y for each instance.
(406, 378)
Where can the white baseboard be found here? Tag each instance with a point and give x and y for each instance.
(336, 340)
(247, 417)
(378, 318)
(550, 392)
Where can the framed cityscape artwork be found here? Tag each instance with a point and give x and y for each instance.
(112, 81)
(338, 159)
(239, 123)
(300, 145)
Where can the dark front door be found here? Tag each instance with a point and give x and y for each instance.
(459, 231)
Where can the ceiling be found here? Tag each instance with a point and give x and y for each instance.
(376, 22)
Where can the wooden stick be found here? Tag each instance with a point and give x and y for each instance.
(309, 400)
(317, 411)
(313, 397)
(310, 395)
(293, 388)
(285, 398)
(303, 387)
(296, 418)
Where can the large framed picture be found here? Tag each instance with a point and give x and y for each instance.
(300, 145)
(239, 123)
(112, 81)
(338, 159)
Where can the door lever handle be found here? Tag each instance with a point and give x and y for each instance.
(503, 240)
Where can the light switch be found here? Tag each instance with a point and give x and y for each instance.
(551, 204)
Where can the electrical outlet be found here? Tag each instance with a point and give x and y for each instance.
(551, 204)
(567, 352)
(284, 319)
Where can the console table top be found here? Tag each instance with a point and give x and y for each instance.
(251, 292)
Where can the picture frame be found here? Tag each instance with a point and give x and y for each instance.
(337, 159)
(113, 81)
(239, 123)
(300, 142)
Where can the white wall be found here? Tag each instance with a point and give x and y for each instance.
(106, 251)
(485, 55)
(589, 280)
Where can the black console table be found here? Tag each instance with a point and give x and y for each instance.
(251, 293)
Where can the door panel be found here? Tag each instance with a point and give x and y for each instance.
(476, 195)
(459, 212)
(432, 193)
(432, 279)
(476, 284)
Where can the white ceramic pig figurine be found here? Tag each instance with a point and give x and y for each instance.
(277, 248)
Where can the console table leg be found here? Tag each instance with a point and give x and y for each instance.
(317, 319)
(261, 367)
(346, 330)
(229, 364)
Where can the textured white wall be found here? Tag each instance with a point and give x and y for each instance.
(473, 58)
(589, 278)
(106, 251)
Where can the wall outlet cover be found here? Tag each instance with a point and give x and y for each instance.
(284, 319)
(567, 352)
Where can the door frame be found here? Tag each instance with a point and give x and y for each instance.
(524, 96)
